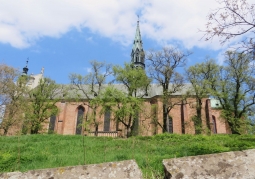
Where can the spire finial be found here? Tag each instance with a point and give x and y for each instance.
(27, 61)
(25, 69)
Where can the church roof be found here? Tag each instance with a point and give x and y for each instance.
(153, 90)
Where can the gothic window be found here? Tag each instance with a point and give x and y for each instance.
(154, 119)
(52, 124)
(182, 118)
(170, 124)
(214, 125)
(79, 120)
(107, 116)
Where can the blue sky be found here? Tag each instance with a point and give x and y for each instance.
(64, 35)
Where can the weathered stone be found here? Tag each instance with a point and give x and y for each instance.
(238, 164)
(124, 170)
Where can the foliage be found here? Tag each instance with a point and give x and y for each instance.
(235, 89)
(122, 106)
(163, 66)
(136, 83)
(134, 79)
(232, 84)
(91, 86)
(202, 77)
(39, 151)
(41, 105)
(12, 97)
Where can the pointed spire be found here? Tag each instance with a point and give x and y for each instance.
(137, 54)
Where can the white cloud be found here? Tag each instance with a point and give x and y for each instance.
(88, 70)
(23, 23)
(221, 57)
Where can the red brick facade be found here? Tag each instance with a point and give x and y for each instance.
(181, 114)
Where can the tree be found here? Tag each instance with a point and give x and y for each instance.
(134, 79)
(121, 105)
(136, 83)
(233, 18)
(42, 104)
(91, 86)
(202, 77)
(235, 90)
(8, 76)
(163, 66)
(12, 97)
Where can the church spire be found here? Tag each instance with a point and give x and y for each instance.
(137, 54)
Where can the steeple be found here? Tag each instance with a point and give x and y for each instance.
(137, 54)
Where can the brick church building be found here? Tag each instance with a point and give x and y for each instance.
(179, 119)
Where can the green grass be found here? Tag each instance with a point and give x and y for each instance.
(46, 151)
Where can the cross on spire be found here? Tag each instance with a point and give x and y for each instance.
(25, 69)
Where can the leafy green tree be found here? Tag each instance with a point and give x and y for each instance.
(90, 86)
(121, 105)
(42, 104)
(235, 90)
(12, 97)
(136, 83)
(163, 65)
(202, 77)
(134, 79)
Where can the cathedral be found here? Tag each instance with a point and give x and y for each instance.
(179, 120)
(67, 121)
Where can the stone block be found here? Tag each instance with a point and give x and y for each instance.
(238, 164)
(120, 170)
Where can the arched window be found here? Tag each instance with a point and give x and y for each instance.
(107, 121)
(79, 120)
(52, 124)
(214, 125)
(136, 58)
(170, 124)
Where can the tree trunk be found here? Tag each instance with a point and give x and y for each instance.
(165, 114)
(129, 126)
(35, 128)
(95, 123)
(34, 131)
(233, 128)
(198, 120)
(135, 125)
(129, 132)
(96, 129)
(5, 131)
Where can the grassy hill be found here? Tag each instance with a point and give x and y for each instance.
(46, 151)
